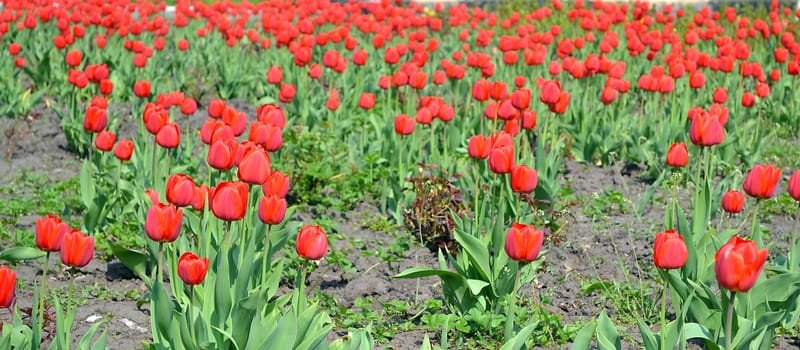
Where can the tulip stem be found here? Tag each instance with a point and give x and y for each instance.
(42, 295)
(729, 322)
(153, 169)
(267, 248)
(793, 244)
(160, 262)
(477, 202)
(509, 327)
(664, 276)
(755, 232)
(191, 318)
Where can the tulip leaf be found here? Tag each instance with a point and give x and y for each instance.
(477, 252)
(607, 336)
(88, 191)
(648, 338)
(162, 308)
(134, 260)
(476, 286)
(519, 340)
(15, 254)
(584, 337)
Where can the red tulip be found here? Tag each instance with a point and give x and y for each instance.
(271, 114)
(669, 250)
(697, 79)
(221, 154)
(105, 140)
(523, 179)
(366, 101)
(521, 98)
(277, 184)
(761, 181)
(199, 198)
(154, 117)
(523, 242)
(228, 201)
(706, 130)
(275, 75)
(287, 92)
(216, 107)
(180, 190)
(169, 136)
(73, 58)
(748, 99)
(183, 44)
(141, 88)
(794, 185)
(254, 167)
(479, 147)
(732, 201)
(403, 124)
(188, 106)
(191, 269)
(501, 159)
(8, 287)
(738, 264)
(678, 155)
(124, 150)
(480, 90)
(50, 233)
(163, 222)
(14, 49)
(312, 243)
(271, 209)
(720, 95)
(77, 249)
(95, 119)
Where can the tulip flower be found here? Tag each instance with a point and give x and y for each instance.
(312, 243)
(706, 130)
(275, 75)
(155, 118)
(95, 119)
(523, 242)
(124, 150)
(50, 233)
(105, 140)
(678, 155)
(141, 88)
(794, 185)
(228, 201)
(403, 124)
(523, 179)
(169, 136)
(287, 92)
(215, 108)
(669, 250)
(738, 264)
(163, 222)
(761, 181)
(8, 287)
(501, 159)
(221, 154)
(254, 166)
(192, 269)
(271, 209)
(180, 190)
(77, 249)
(277, 184)
(272, 115)
(366, 101)
(199, 197)
(732, 201)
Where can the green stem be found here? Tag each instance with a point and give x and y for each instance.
(191, 317)
(267, 248)
(664, 310)
(793, 243)
(755, 232)
(477, 197)
(509, 327)
(729, 322)
(153, 169)
(43, 295)
(161, 262)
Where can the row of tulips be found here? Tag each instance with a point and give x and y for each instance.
(403, 64)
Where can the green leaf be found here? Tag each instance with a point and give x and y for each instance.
(607, 336)
(477, 251)
(648, 338)
(134, 260)
(476, 286)
(162, 308)
(88, 191)
(584, 337)
(519, 340)
(15, 254)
